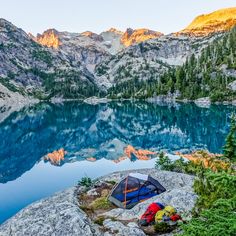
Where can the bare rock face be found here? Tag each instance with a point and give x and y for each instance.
(12, 101)
(49, 38)
(215, 22)
(117, 228)
(57, 215)
(131, 37)
(87, 48)
(232, 85)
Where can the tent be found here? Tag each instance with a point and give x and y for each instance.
(133, 189)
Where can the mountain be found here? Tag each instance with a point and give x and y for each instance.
(131, 37)
(134, 63)
(215, 22)
(113, 37)
(90, 48)
(211, 72)
(148, 60)
(49, 38)
(32, 69)
(87, 48)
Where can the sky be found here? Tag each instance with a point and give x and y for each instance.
(166, 16)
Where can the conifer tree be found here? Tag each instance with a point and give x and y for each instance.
(230, 145)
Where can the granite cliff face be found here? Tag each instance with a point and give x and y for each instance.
(131, 37)
(215, 22)
(49, 38)
(87, 48)
(90, 48)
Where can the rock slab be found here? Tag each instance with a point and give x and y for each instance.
(58, 215)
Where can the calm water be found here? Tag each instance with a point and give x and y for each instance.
(100, 131)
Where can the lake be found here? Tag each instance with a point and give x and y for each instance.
(89, 132)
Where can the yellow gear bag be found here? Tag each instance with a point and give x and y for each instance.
(167, 211)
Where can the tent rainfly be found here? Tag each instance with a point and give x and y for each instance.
(133, 189)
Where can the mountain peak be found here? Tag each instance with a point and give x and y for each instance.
(132, 36)
(92, 35)
(49, 38)
(116, 31)
(217, 21)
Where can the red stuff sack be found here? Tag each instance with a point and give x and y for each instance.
(149, 215)
(175, 217)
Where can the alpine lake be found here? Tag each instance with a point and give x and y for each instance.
(96, 139)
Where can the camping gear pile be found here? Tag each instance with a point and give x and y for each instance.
(156, 213)
(133, 189)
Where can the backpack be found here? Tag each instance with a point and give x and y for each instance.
(149, 215)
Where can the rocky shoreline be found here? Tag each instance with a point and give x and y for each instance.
(12, 101)
(60, 214)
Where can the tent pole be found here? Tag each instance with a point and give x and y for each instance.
(126, 184)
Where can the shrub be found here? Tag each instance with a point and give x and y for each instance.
(99, 220)
(85, 181)
(230, 145)
(164, 163)
(214, 186)
(101, 203)
(163, 227)
(215, 207)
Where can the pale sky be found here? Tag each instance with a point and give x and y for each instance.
(98, 15)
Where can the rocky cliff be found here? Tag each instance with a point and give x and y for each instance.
(131, 37)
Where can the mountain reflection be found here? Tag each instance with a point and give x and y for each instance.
(92, 132)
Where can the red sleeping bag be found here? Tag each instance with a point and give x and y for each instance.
(149, 215)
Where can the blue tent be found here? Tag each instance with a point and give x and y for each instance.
(133, 189)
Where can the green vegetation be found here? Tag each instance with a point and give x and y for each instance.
(42, 55)
(230, 145)
(101, 203)
(202, 76)
(99, 220)
(7, 83)
(179, 165)
(215, 208)
(214, 212)
(163, 227)
(85, 181)
(66, 84)
(164, 163)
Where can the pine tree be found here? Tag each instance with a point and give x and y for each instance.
(230, 145)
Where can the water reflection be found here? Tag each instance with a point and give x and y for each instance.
(89, 132)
